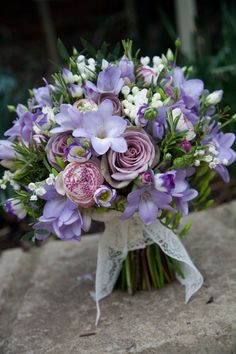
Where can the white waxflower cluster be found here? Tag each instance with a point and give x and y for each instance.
(8, 177)
(209, 155)
(37, 190)
(136, 98)
(86, 67)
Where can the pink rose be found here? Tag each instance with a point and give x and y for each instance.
(79, 182)
(147, 74)
(56, 147)
(141, 155)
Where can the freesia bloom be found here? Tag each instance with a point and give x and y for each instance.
(60, 217)
(14, 207)
(68, 119)
(127, 69)
(110, 81)
(103, 129)
(147, 201)
(79, 182)
(23, 126)
(174, 183)
(56, 147)
(226, 156)
(104, 196)
(42, 96)
(6, 150)
(139, 157)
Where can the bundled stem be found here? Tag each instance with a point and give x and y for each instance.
(146, 269)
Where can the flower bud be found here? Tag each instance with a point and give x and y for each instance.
(170, 55)
(214, 97)
(150, 113)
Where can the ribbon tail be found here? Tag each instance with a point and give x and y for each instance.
(112, 251)
(171, 245)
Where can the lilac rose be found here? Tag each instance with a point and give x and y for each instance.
(57, 147)
(116, 103)
(119, 169)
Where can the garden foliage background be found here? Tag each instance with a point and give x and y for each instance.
(29, 32)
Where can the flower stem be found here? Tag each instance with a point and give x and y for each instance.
(128, 275)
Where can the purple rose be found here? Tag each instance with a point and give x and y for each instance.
(147, 74)
(139, 157)
(117, 107)
(57, 147)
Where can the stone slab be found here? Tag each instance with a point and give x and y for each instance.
(45, 306)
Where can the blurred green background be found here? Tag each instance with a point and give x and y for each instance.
(29, 31)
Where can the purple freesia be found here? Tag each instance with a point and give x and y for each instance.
(110, 81)
(23, 126)
(68, 119)
(42, 96)
(6, 150)
(174, 183)
(60, 217)
(104, 129)
(126, 67)
(226, 155)
(147, 201)
(190, 90)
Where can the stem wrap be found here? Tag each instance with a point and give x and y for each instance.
(121, 236)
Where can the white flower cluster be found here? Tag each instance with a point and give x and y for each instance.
(209, 155)
(37, 190)
(135, 98)
(86, 67)
(8, 177)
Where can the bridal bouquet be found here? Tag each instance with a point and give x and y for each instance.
(125, 140)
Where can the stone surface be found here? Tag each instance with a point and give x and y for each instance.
(45, 306)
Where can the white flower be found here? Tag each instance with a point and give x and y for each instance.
(32, 186)
(214, 97)
(33, 198)
(156, 60)
(145, 60)
(105, 64)
(183, 124)
(125, 90)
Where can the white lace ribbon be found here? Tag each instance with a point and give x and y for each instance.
(121, 236)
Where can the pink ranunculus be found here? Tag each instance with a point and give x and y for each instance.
(117, 106)
(56, 147)
(119, 169)
(147, 74)
(79, 182)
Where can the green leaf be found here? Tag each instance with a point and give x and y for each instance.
(88, 47)
(185, 229)
(62, 50)
(184, 161)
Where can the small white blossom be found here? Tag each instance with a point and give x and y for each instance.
(145, 60)
(125, 90)
(214, 97)
(33, 198)
(135, 90)
(156, 60)
(105, 64)
(225, 162)
(32, 186)
(197, 162)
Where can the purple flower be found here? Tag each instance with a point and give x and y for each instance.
(68, 119)
(174, 183)
(6, 150)
(90, 91)
(78, 152)
(147, 74)
(226, 156)
(126, 67)
(42, 96)
(110, 81)
(190, 90)
(147, 177)
(147, 201)
(117, 106)
(75, 90)
(104, 129)
(139, 157)
(186, 146)
(141, 120)
(14, 207)
(42, 120)
(104, 196)
(60, 217)
(23, 126)
(56, 147)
